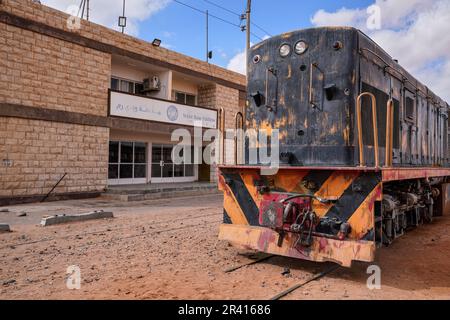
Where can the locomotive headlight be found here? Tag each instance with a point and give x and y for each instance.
(301, 47)
(285, 50)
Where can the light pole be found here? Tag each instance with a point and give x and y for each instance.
(207, 36)
(123, 19)
(87, 10)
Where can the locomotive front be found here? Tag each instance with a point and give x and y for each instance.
(317, 205)
(331, 198)
(303, 84)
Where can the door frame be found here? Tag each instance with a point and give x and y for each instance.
(169, 179)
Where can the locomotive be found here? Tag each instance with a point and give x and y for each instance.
(363, 150)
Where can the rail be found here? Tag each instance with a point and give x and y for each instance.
(389, 133)
(374, 125)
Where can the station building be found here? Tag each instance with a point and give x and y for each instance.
(96, 108)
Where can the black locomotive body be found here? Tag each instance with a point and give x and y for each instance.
(363, 150)
(311, 98)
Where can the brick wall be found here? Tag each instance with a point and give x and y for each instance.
(42, 151)
(57, 19)
(228, 99)
(218, 96)
(41, 71)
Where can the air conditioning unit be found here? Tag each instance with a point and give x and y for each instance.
(152, 84)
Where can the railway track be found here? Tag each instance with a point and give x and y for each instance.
(152, 223)
(291, 289)
(313, 277)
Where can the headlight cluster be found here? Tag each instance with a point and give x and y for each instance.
(299, 48)
(285, 50)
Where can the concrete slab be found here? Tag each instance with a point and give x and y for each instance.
(66, 218)
(4, 227)
(129, 193)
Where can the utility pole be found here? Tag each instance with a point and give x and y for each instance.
(248, 12)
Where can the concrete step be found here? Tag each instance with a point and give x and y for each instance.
(129, 194)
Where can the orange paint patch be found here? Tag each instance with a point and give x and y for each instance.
(334, 187)
(233, 209)
(249, 181)
(290, 181)
(363, 219)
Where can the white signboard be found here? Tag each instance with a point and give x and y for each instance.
(130, 106)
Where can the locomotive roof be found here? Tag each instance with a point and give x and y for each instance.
(368, 47)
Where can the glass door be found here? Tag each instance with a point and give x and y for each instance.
(164, 170)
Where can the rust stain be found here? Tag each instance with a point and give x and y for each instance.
(289, 71)
(323, 243)
(265, 240)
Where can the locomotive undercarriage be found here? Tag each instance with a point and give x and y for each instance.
(406, 205)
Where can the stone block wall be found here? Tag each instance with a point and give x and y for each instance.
(40, 152)
(41, 71)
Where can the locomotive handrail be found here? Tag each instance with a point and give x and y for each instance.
(238, 116)
(389, 132)
(375, 128)
(222, 137)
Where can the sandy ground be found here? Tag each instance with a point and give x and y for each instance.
(169, 250)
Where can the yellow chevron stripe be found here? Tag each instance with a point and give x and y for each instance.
(334, 187)
(291, 181)
(363, 218)
(233, 209)
(248, 179)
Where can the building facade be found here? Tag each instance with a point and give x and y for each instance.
(95, 107)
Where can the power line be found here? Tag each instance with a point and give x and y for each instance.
(236, 14)
(255, 25)
(204, 12)
(223, 8)
(214, 16)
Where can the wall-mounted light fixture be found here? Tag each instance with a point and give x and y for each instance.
(156, 42)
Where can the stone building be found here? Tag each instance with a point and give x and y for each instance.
(98, 106)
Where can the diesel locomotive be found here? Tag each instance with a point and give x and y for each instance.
(363, 150)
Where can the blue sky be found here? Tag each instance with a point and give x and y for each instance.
(183, 29)
(400, 25)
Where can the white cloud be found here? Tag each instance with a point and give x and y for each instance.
(106, 12)
(338, 18)
(414, 31)
(238, 62)
(168, 34)
(167, 46)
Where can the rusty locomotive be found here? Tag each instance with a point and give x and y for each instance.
(363, 150)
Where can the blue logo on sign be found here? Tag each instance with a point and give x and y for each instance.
(172, 113)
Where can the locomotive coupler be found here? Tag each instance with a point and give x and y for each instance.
(305, 229)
